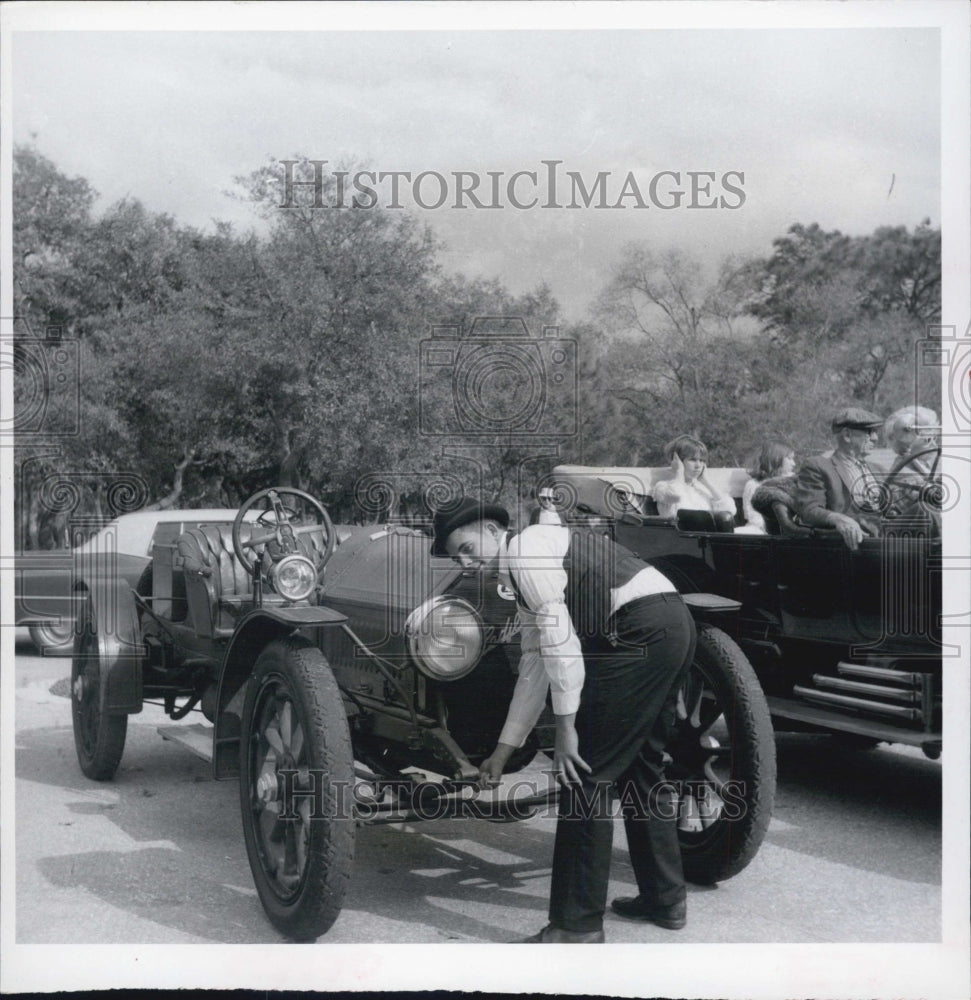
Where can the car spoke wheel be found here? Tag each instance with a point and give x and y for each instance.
(55, 640)
(296, 785)
(723, 760)
(99, 738)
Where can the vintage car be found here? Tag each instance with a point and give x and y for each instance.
(123, 547)
(350, 677)
(845, 642)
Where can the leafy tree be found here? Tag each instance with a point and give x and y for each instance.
(675, 358)
(853, 306)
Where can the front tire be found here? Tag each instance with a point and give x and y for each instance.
(723, 752)
(99, 738)
(300, 844)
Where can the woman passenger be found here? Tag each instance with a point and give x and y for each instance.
(775, 459)
(688, 489)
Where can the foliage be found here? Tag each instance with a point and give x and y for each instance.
(213, 364)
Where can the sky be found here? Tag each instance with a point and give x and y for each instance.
(838, 126)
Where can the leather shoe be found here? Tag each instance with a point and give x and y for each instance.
(673, 917)
(556, 935)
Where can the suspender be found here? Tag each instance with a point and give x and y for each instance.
(520, 600)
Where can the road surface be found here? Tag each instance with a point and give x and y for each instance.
(853, 853)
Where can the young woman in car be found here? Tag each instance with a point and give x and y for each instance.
(688, 489)
(775, 460)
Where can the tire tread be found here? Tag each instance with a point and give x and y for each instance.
(329, 874)
(753, 743)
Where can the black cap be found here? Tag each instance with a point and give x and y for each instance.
(857, 419)
(465, 512)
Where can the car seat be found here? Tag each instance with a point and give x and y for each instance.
(218, 588)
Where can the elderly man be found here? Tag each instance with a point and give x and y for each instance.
(546, 512)
(910, 432)
(841, 491)
(613, 639)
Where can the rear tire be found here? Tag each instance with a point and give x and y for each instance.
(53, 640)
(293, 719)
(99, 738)
(723, 752)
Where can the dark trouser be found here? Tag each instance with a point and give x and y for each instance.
(627, 710)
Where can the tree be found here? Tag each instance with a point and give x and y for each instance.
(853, 306)
(675, 358)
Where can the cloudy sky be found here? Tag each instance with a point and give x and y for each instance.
(839, 126)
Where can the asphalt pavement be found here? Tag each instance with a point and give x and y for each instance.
(853, 853)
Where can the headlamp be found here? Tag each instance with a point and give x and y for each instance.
(293, 577)
(445, 638)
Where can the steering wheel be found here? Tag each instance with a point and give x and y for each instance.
(280, 533)
(927, 494)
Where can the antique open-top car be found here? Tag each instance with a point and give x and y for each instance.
(846, 642)
(349, 677)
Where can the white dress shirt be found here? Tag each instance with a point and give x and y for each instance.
(551, 654)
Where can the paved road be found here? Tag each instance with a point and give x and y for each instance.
(156, 856)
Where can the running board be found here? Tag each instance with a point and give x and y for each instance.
(830, 719)
(196, 738)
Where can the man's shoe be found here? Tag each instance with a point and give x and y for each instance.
(555, 935)
(673, 917)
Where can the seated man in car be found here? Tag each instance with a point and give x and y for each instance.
(841, 491)
(910, 432)
(546, 512)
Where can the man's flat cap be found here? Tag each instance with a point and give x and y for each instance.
(465, 512)
(854, 417)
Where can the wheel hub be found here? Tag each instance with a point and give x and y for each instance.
(267, 788)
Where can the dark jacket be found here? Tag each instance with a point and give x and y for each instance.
(821, 491)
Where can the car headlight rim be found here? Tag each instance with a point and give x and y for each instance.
(294, 577)
(445, 638)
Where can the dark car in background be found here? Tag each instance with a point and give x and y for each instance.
(44, 600)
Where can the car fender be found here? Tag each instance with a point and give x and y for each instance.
(254, 631)
(711, 609)
(121, 652)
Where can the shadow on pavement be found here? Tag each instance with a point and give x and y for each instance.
(182, 861)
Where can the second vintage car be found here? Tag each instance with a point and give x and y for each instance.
(844, 642)
(121, 548)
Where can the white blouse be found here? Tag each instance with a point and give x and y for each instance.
(672, 495)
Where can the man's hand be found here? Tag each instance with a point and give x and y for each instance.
(567, 762)
(490, 770)
(850, 531)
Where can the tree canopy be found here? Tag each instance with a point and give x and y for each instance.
(205, 365)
